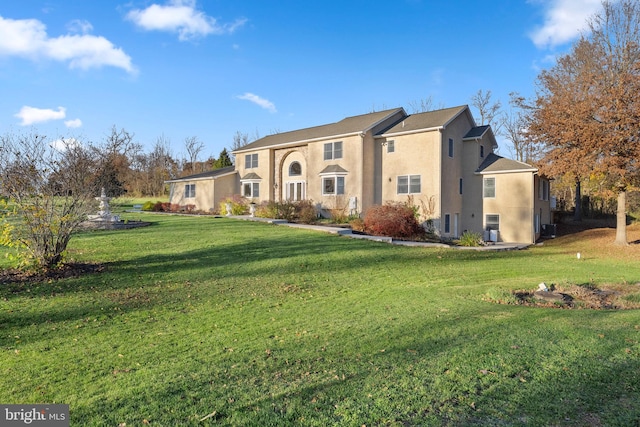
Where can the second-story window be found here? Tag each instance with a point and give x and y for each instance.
(333, 150)
(251, 161)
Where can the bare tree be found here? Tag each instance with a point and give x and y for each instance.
(194, 147)
(489, 113)
(113, 157)
(50, 191)
(239, 140)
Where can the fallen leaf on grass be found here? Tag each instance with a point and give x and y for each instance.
(213, 414)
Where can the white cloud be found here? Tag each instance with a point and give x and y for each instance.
(264, 103)
(32, 115)
(75, 123)
(563, 22)
(182, 17)
(28, 38)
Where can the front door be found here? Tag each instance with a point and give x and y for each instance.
(295, 190)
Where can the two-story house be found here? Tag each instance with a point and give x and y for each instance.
(439, 159)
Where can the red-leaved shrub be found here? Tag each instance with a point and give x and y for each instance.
(392, 220)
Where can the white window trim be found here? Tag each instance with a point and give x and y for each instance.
(391, 146)
(252, 164)
(333, 150)
(303, 189)
(408, 184)
(335, 177)
(252, 182)
(191, 193)
(485, 220)
(484, 180)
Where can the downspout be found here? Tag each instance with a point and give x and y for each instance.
(360, 205)
(533, 208)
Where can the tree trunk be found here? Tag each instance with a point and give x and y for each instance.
(577, 213)
(621, 219)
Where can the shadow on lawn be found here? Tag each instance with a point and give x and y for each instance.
(456, 372)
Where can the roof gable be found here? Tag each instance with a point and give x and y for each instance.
(346, 126)
(498, 164)
(429, 120)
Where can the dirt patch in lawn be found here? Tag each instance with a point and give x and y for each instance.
(583, 296)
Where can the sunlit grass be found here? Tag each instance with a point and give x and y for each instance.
(240, 323)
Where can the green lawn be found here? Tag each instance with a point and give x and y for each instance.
(210, 321)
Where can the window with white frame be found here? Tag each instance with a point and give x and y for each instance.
(332, 185)
(391, 146)
(251, 161)
(489, 188)
(251, 189)
(492, 222)
(333, 150)
(409, 184)
(447, 223)
(189, 191)
(450, 147)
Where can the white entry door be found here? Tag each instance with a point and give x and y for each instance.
(295, 190)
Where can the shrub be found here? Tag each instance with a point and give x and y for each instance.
(357, 224)
(267, 210)
(470, 238)
(302, 211)
(238, 205)
(392, 220)
(149, 206)
(307, 212)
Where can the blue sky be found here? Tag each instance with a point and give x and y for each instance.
(210, 68)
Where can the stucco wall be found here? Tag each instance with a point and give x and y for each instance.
(414, 154)
(351, 161)
(514, 204)
(264, 171)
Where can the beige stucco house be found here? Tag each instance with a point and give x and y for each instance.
(439, 160)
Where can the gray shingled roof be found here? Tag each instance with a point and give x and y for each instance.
(251, 175)
(428, 120)
(209, 174)
(476, 132)
(345, 126)
(333, 169)
(496, 164)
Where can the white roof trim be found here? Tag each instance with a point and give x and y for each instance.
(532, 170)
(205, 178)
(387, 135)
(296, 143)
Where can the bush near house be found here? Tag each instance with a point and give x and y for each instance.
(392, 220)
(239, 205)
(302, 211)
(470, 239)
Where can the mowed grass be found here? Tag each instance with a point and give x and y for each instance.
(201, 321)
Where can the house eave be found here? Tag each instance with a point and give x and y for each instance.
(205, 178)
(299, 143)
(409, 132)
(532, 170)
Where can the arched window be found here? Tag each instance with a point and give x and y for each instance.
(295, 169)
